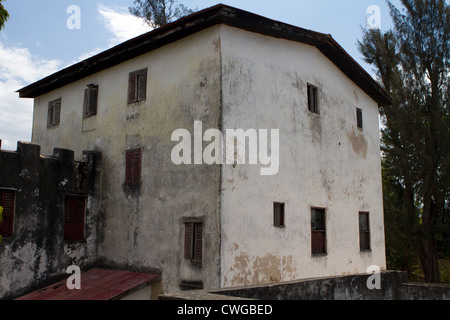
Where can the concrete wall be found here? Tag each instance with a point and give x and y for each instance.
(325, 161)
(391, 285)
(144, 226)
(36, 251)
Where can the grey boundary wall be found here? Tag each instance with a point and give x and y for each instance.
(394, 286)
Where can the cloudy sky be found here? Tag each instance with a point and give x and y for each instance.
(42, 37)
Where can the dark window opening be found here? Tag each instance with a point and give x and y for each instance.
(74, 216)
(137, 86)
(318, 231)
(7, 201)
(364, 231)
(90, 100)
(313, 99)
(278, 214)
(54, 113)
(133, 163)
(193, 240)
(359, 119)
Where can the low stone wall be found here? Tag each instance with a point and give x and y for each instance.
(393, 286)
(425, 291)
(351, 287)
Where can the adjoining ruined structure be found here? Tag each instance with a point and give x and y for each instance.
(209, 225)
(41, 190)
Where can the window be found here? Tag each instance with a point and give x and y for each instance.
(318, 231)
(364, 231)
(313, 101)
(278, 214)
(133, 166)
(90, 100)
(137, 86)
(193, 240)
(74, 215)
(54, 112)
(7, 199)
(359, 119)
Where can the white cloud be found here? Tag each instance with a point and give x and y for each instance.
(121, 23)
(18, 68)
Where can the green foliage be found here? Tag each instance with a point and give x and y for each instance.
(4, 15)
(413, 63)
(159, 12)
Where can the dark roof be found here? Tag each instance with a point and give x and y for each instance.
(219, 14)
(96, 284)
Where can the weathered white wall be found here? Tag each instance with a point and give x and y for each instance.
(325, 161)
(144, 226)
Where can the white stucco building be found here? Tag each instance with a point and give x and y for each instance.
(225, 225)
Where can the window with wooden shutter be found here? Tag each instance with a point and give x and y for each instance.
(7, 201)
(359, 118)
(364, 231)
(90, 100)
(278, 214)
(133, 163)
(54, 112)
(313, 98)
(318, 231)
(74, 217)
(137, 86)
(193, 240)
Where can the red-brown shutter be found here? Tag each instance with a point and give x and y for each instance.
(133, 163)
(129, 168)
(86, 103)
(7, 202)
(188, 240)
(57, 115)
(93, 100)
(142, 84)
(198, 244)
(132, 83)
(74, 214)
(50, 115)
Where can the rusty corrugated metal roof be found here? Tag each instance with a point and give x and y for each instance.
(96, 284)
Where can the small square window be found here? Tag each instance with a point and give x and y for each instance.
(193, 240)
(278, 214)
(7, 202)
(313, 98)
(133, 163)
(318, 231)
(54, 113)
(359, 118)
(364, 231)
(90, 100)
(74, 217)
(137, 86)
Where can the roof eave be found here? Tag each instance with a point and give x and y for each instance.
(219, 14)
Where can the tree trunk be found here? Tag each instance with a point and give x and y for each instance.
(429, 261)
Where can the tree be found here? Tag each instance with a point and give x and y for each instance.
(159, 12)
(412, 63)
(4, 15)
